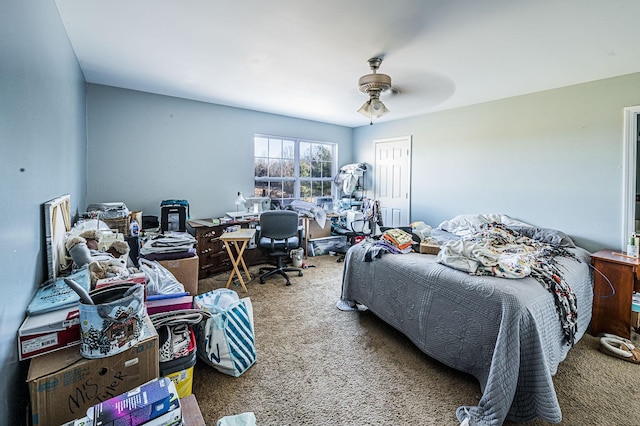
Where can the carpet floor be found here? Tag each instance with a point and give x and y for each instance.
(318, 365)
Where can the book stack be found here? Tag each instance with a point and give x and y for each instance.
(155, 403)
(53, 320)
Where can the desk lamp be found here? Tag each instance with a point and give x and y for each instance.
(240, 201)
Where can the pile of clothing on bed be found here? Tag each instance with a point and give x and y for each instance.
(495, 245)
(519, 251)
(392, 240)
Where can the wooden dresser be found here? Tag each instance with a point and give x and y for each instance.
(212, 255)
(612, 309)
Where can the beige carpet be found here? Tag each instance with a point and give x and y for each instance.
(321, 366)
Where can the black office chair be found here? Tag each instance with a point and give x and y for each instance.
(278, 233)
(359, 228)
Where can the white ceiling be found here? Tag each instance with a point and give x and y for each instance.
(303, 58)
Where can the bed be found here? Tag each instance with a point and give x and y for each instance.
(507, 333)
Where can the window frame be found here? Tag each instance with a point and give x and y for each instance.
(264, 182)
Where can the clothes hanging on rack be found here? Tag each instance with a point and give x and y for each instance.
(371, 210)
(348, 176)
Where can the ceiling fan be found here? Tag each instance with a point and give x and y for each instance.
(374, 85)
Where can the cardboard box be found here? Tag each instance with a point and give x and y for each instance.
(315, 231)
(137, 406)
(85, 421)
(172, 418)
(186, 272)
(63, 384)
(429, 248)
(48, 332)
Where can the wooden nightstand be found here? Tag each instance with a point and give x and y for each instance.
(613, 314)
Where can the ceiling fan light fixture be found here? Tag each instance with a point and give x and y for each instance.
(365, 109)
(381, 82)
(374, 106)
(374, 84)
(378, 109)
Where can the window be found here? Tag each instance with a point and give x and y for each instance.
(286, 169)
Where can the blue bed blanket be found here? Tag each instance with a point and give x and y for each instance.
(505, 332)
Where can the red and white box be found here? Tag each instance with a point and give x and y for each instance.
(48, 332)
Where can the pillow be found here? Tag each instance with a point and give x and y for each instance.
(462, 224)
(545, 235)
(468, 223)
(441, 236)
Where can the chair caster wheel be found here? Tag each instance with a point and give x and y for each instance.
(288, 283)
(300, 273)
(261, 280)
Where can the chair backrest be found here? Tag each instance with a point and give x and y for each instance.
(279, 224)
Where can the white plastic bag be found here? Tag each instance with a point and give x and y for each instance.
(244, 419)
(159, 279)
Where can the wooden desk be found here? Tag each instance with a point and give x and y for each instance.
(612, 312)
(213, 257)
(239, 239)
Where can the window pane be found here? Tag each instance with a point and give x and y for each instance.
(326, 169)
(326, 189)
(260, 168)
(288, 149)
(288, 168)
(288, 189)
(316, 169)
(275, 168)
(305, 189)
(305, 151)
(275, 189)
(305, 169)
(275, 148)
(324, 152)
(260, 189)
(317, 189)
(261, 147)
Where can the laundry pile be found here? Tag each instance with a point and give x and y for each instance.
(394, 240)
(176, 245)
(400, 240)
(348, 176)
(497, 250)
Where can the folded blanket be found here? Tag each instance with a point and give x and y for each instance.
(402, 240)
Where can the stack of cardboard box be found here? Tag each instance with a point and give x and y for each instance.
(63, 384)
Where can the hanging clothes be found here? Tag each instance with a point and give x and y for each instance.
(348, 176)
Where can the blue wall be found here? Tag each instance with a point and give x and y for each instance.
(145, 148)
(554, 159)
(551, 158)
(43, 140)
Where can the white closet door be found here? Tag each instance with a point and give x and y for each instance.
(392, 180)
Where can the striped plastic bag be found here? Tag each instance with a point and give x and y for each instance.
(225, 341)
